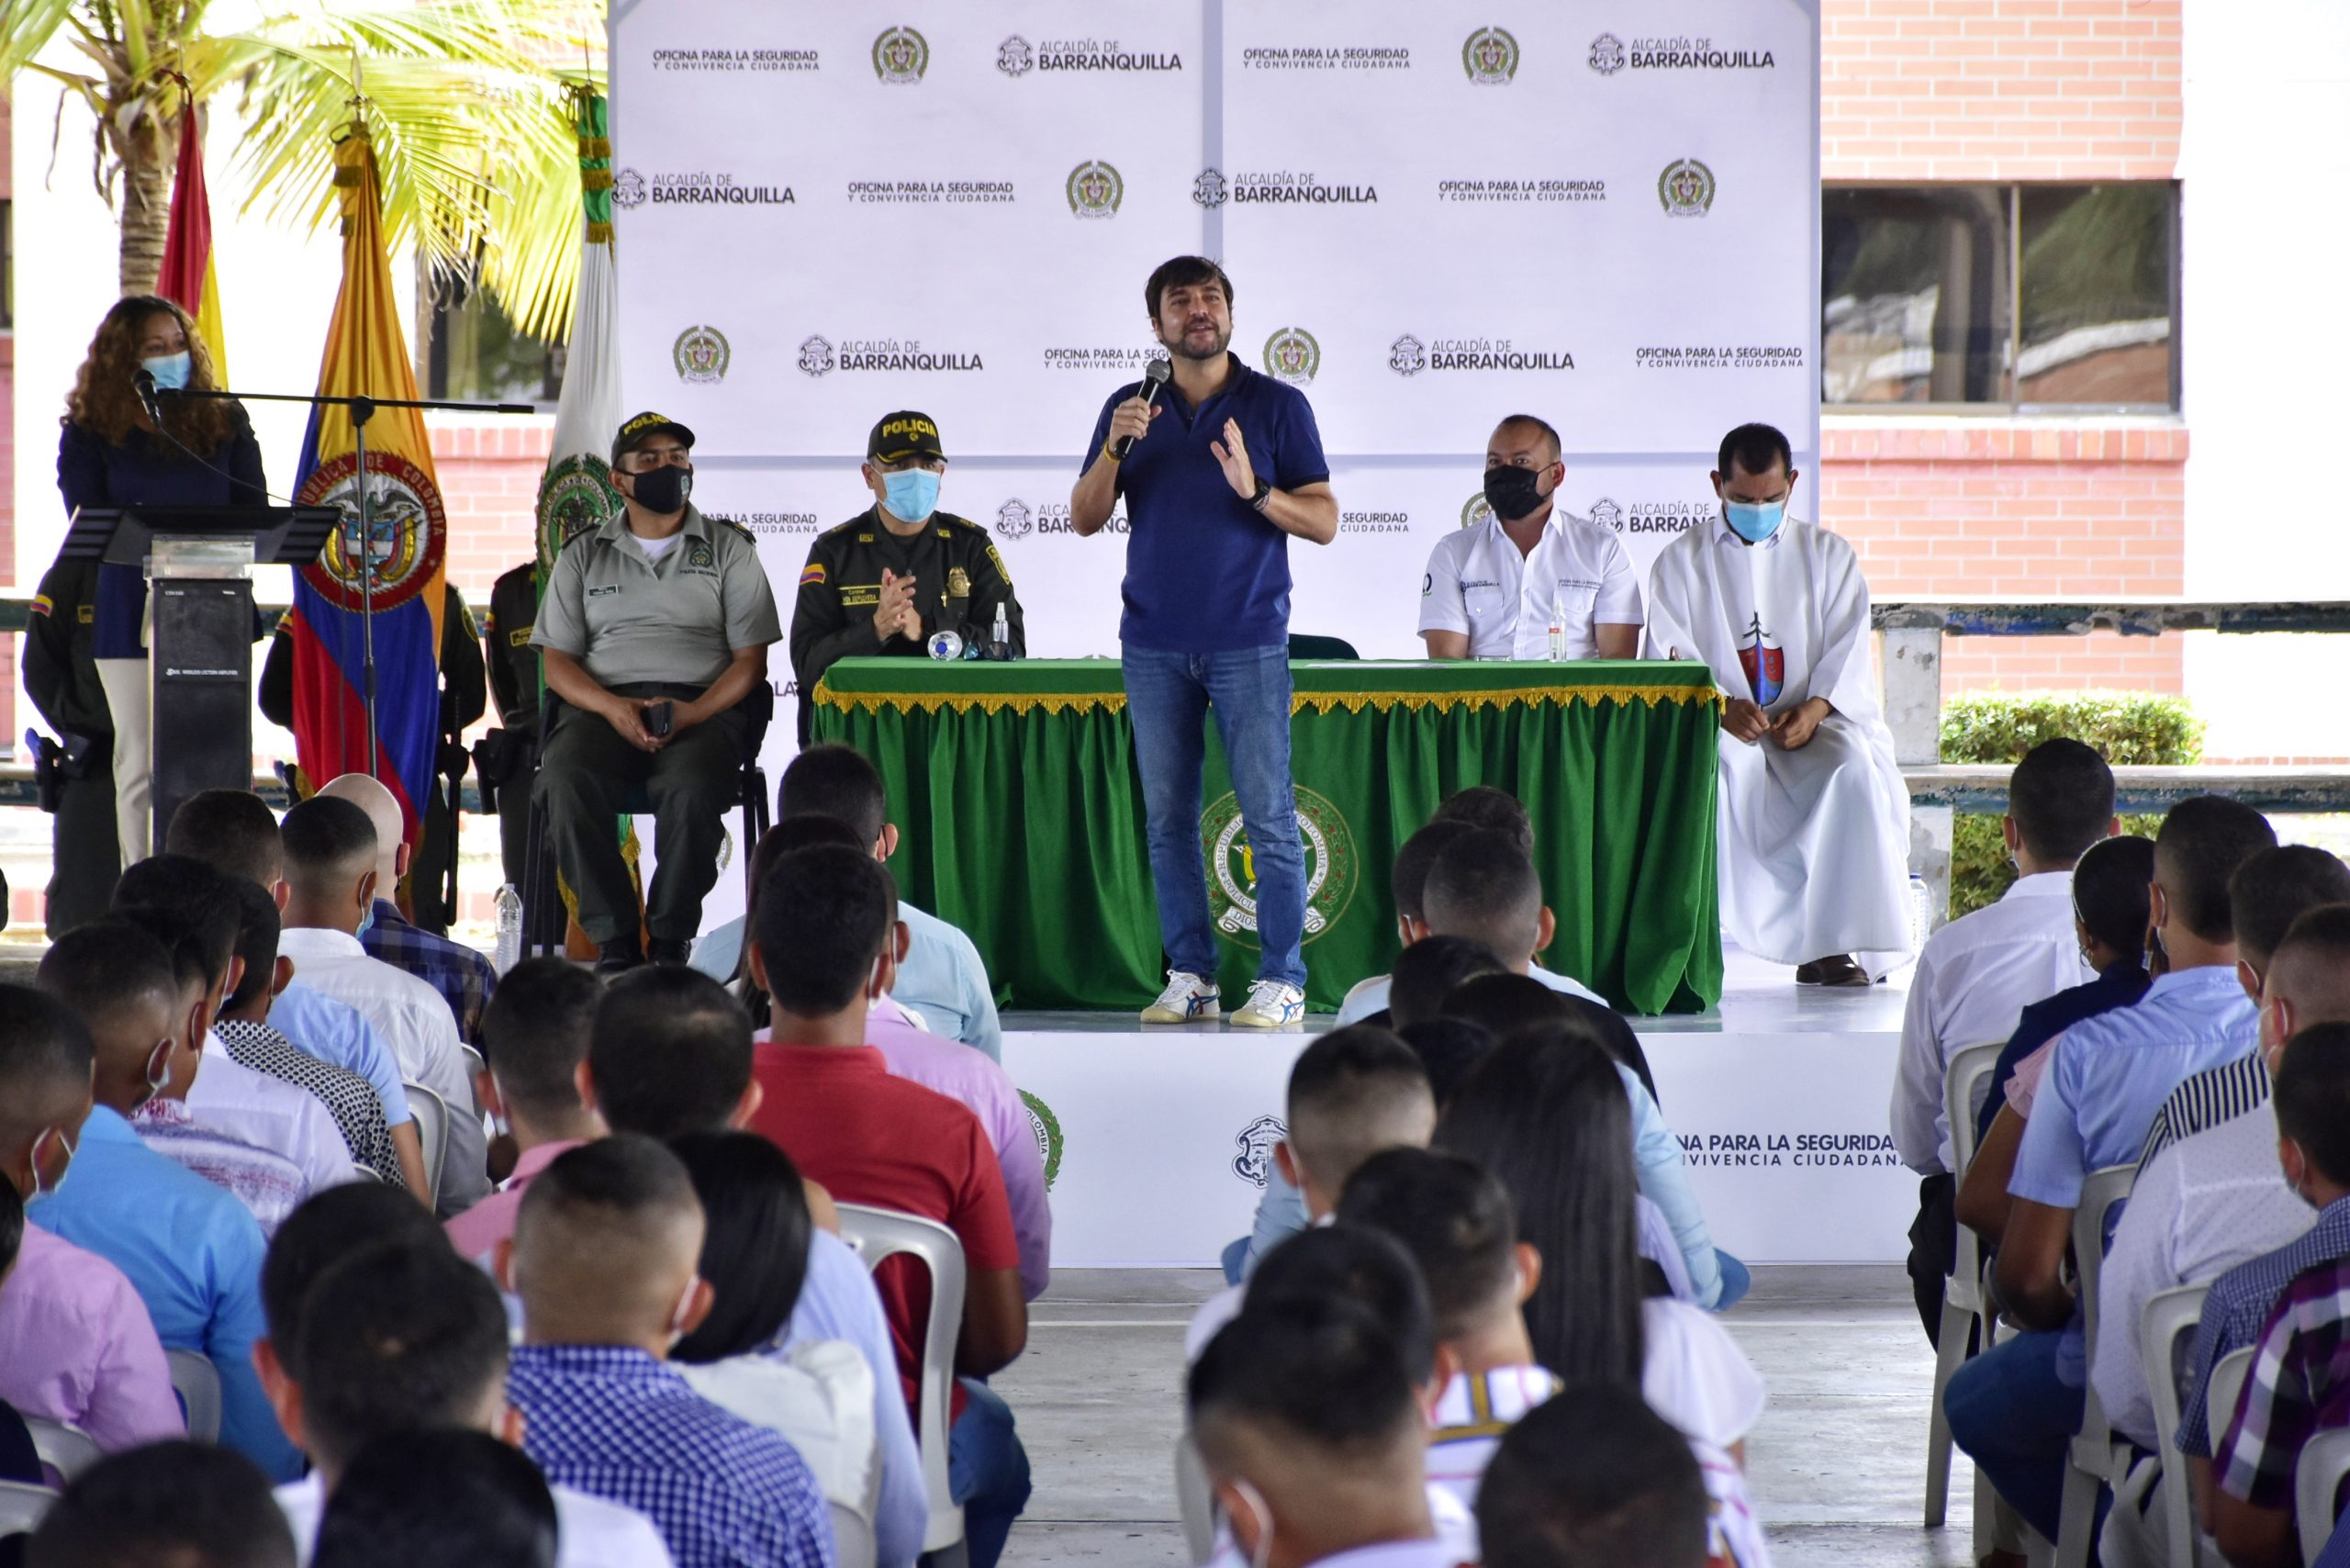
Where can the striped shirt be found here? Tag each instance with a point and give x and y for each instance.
(2298, 1386)
(2202, 1103)
(357, 1110)
(2238, 1306)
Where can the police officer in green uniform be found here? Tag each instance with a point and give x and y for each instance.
(504, 756)
(77, 774)
(887, 578)
(654, 628)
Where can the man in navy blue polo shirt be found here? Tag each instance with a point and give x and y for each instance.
(1221, 470)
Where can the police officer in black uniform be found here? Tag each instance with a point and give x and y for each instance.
(76, 772)
(884, 580)
(505, 757)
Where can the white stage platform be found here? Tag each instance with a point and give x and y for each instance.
(1779, 1098)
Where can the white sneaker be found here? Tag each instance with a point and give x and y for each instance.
(1188, 999)
(1271, 1005)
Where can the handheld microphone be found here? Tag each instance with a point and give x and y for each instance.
(145, 382)
(1155, 374)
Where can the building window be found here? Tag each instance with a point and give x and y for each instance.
(473, 352)
(2021, 298)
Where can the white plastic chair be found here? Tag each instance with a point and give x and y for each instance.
(69, 1450)
(197, 1382)
(1196, 1500)
(2166, 1337)
(1962, 1296)
(431, 1113)
(853, 1542)
(875, 1234)
(2227, 1387)
(2098, 1461)
(22, 1508)
(2323, 1465)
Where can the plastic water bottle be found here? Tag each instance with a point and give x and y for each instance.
(1558, 630)
(509, 929)
(1921, 912)
(1000, 638)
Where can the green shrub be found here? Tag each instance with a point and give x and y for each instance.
(2128, 727)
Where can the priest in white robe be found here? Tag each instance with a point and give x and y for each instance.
(1814, 814)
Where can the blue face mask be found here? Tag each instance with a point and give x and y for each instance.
(1753, 522)
(171, 371)
(911, 493)
(366, 921)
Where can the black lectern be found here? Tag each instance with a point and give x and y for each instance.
(198, 563)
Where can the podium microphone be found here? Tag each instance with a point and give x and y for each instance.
(1155, 374)
(145, 382)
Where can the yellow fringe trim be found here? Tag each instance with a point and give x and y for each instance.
(986, 702)
(1319, 701)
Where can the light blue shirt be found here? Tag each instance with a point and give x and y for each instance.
(838, 1302)
(191, 1251)
(2109, 1074)
(336, 1032)
(1372, 995)
(942, 978)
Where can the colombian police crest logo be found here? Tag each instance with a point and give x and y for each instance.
(1332, 868)
(702, 355)
(1292, 355)
(1606, 514)
(1095, 190)
(628, 189)
(1490, 57)
(1049, 1139)
(1014, 519)
(1687, 188)
(1210, 188)
(1015, 58)
(577, 495)
(1256, 1142)
(1607, 56)
(1407, 355)
(900, 55)
(816, 355)
(1475, 510)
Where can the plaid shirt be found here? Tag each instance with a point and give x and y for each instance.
(358, 1112)
(2238, 1307)
(463, 977)
(2299, 1385)
(615, 1423)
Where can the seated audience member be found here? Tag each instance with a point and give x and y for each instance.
(755, 1258)
(190, 1250)
(243, 1030)
(330, 852)
(823, 939)
(234, 832)
(1408, 881)
(2299, 1383)
(465, 978)
(1313, 1441)
(604, 1256)
(674, 1051)
(2268, 893)
(660, 606)
(2110, 920)
(335, 1225)
(1548, 1113)
(1352, 1093)
(535, 1036)
(1979, 972)
(443, 1497)
(393, 1339)
(174, 1505)
(952, 1069)
(75, 1342)
(1594, 1479)
(2014, 1409)
(1493, 810)
(1449, 1050)
(231, 1098)
(942, 978)
(1431, 969)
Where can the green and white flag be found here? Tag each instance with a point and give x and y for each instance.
(576, 492)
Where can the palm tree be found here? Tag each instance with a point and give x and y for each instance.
(466, 99)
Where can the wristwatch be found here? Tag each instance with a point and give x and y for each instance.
(1264, 493)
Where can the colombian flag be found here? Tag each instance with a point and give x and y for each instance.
(186, 279)
(366, 355)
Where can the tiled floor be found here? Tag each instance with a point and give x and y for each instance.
(1837, 1464)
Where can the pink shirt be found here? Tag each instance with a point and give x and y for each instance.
(961, 1073)
(476, 1232)
(2023, 1084)
(76, 1346)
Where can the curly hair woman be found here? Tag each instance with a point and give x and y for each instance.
(111, 453)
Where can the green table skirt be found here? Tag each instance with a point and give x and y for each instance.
(1020, 817)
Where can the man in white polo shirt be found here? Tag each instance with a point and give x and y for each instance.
(1493, 589)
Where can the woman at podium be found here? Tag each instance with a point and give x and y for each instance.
(123, 447)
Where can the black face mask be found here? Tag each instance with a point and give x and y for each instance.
(663, 490)
(1513, 491)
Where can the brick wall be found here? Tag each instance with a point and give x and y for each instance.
(489, 482)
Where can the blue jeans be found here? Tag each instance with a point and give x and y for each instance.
(1168, 698)
(2015, 1418)
(987, 1472)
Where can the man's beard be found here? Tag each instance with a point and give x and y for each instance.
(1178, 349)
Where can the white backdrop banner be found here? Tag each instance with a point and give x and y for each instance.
(1603, 212)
